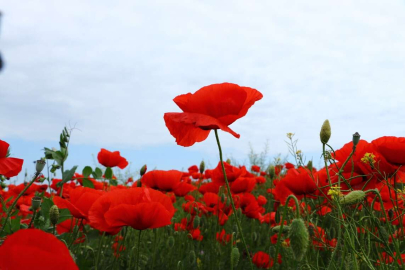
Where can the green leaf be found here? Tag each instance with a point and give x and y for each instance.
(45, 206)
(113, 182)
(48, 153)
(58, 157)
(98, 173)
(15, 224)
(88, 183)
(108, 173)
(67, 175)
(87, 171)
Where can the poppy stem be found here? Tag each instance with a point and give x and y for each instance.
(139, 247)
(16, 200)
(231, 199)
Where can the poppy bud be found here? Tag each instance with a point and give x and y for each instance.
(170, 242)
(143, 170)
(299, 238)
(353, 197)
(276, 229)
(332, 233)
(254, 236)
(40, 165)
(3, 185)
(272, 251)
(35, 203)
(54, 214)
(202, 166)
(356, 138)
(196, 222)
(309, 165)
(228, 161)
(272, 171)
(235, 255)
(390, 214)
(383, 234)
(326, 132)
(192, 257)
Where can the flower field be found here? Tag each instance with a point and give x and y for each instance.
(347, 215)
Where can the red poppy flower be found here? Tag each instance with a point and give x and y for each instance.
(212, 107)
(111, 159)
(9, 167)
(140, 208)
(167, 181)
(35, 249)
(392, 148)
(80, 201)
(255, 168)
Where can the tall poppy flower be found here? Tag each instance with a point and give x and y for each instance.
(35, 249)
(214, 106)
(9, 167)
(139, 208)
(111, 159)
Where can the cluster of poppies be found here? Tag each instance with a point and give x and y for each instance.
(257, 193)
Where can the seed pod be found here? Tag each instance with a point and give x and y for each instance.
(356, 138)
(202, 166)
(299, 238)
(276, 229)
(35, 203)
(235, 255)
(170, 242)
(40, 164)
(353, 197)
(326, 132)
(228, 161)
(54, 214)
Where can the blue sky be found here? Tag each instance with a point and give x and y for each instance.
(112, 69)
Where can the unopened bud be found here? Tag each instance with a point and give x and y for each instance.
(3, 185)
(272, 172)
(143, 170)
(192, 257)
(170, 242)
(202, 166)
(40, 165)
(326, 132)
(54, 214)
(196, 222)
(235, 255)
(353, 197)
(276, 229)
(35, 203)
(356, 138)
(309, 165)
(299, 238)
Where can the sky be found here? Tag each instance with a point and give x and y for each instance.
(110, 70)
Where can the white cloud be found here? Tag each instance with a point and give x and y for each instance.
(114, 67)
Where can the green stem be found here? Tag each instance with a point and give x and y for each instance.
(32, 219)
(18, 197)
(137, 252)
(100, 244)
(231, 199)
